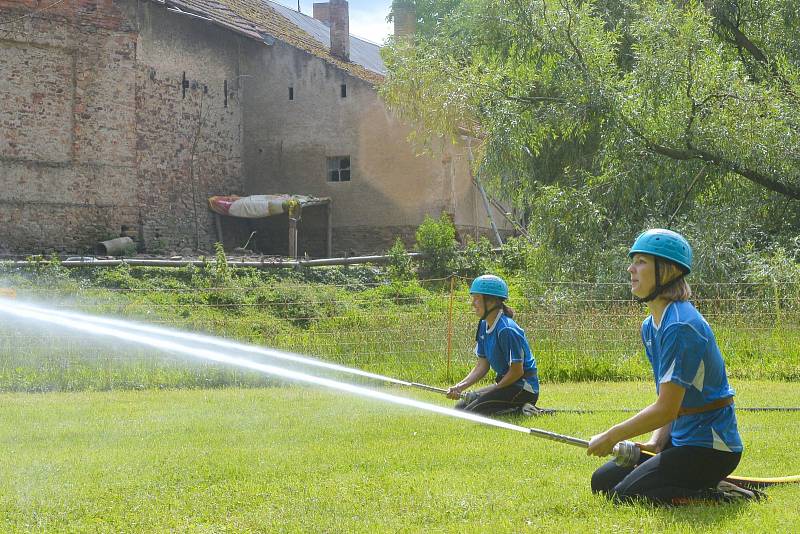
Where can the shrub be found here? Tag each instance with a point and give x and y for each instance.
(514, 254)
(476, 258)
(400, 267)
(436, 239)
(303, 304)
(400, 292)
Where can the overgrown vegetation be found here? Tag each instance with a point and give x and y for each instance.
(598, 119)
(383, 320)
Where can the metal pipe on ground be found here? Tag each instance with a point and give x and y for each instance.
(115, 247)
(266, 263)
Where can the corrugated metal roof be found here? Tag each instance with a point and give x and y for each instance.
(261, 20)
(363, 52)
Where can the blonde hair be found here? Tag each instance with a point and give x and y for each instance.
(678, 291)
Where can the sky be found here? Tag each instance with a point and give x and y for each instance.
(367, 17)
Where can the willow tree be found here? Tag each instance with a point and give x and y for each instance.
(617, 114)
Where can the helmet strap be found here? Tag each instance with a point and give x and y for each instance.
(485, 315)
(490, 310)
(659, 287)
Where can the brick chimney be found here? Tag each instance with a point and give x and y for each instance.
(322, 12)
(340, 29)
(405, 19)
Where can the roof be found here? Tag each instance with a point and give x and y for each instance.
(264, 21)
(363, 52)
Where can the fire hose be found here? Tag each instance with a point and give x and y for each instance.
(627, 453)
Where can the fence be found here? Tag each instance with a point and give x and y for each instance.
(422, 333)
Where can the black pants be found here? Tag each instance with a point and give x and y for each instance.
(675, 473)
(499, 401)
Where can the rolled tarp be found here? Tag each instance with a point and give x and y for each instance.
(256, 206)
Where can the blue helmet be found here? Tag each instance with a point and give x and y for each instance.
(489, 284)
(665, 244)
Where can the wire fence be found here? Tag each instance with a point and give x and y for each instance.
(417, 332)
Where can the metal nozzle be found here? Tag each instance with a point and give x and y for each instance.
(626, 454)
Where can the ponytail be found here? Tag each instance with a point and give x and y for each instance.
(508, 311)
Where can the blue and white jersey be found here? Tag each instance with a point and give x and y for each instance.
(504, 343)
(683, 350)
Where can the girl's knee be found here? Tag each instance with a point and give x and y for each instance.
(601, 482)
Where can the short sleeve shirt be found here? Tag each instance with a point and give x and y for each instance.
(683, 350)
(505, 343)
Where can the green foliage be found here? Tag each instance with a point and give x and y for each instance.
(303, 304)
(119, 277)
(599, 119)
(436, 239)
(350, 277)
(400, 266)
(401, 292)
(475, 258)
(578, 330)
(221, 270)
(514, 254)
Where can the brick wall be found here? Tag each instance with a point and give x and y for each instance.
(97, 132)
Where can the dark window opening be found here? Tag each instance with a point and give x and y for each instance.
(225, 92)
(344, 91)
(291, 93)
(339, 169)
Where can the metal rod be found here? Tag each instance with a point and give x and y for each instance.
(559, 437)
(426, 387)
(450, 325)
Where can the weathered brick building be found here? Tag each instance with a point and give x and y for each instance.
(124, 116)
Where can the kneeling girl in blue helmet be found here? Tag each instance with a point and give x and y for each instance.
(695, 437)
(500, 345)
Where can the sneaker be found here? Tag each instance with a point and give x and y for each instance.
(733, 493)
(532, 410)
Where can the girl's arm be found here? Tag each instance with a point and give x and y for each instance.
(478, 372)
(660, 413)
(515, 372)
(659, 440)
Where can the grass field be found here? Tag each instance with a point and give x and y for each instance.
(101, 436)
(298, 459)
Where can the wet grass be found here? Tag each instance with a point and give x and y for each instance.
(295, 459)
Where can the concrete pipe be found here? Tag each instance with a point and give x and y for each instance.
(115, 247)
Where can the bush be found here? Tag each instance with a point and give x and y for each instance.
(436, 239)
(514, 254)
(476, 258)
(400, 266)
(400, 292)
(120, 277)
(303, 305)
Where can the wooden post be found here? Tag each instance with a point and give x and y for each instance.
(450, 325)
(218, 220)
(292, 238)
(330, 228)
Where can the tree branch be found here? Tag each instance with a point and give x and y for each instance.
(720, 161)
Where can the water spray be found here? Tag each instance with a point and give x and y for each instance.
(224, 343)
(92, 325)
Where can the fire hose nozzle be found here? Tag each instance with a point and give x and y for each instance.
(626, 454)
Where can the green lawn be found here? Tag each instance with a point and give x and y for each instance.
(298, 459)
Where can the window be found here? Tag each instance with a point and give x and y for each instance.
(339, 169)
(291, 93)
(344, 91)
